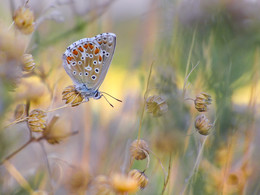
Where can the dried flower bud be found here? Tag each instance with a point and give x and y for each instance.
(140, 177)
(123, 183)
(202, 124)
(102, 186)
(202, 101)
(28, 62)
(71, 95)
(20, 111)
(37, 120)
(53, 135)
(156, 105)
(39, 192)
(78, 181)
(24, 20)
(139, 149)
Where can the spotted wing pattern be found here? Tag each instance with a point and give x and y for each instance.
(87, 60)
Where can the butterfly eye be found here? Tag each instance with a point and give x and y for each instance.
(95, 62)
(96, 70)
(86, 74)
(93, 77)
(91, 55)
(107, 54)
(96, 94)
(82, 58)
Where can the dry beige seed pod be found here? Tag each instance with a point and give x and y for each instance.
(20, 111)
(71, 95)
(28, 62)
(156, 105)
(37, 120)
(140, 177)
(202, 101)
(24, 20)
(139, 149)
(102, 186)
(202, 124)
(123, 184)
(78, 181)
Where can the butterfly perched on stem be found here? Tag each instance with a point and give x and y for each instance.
(87, 60)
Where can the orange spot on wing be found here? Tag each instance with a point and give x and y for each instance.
(75, 52)
(69, 58)
(96, 51)
(80, 49)
(99, 42)
(85, 45)
(68, 61)
(91, 46)
(100, 58)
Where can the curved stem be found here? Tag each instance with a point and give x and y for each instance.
(195, 167)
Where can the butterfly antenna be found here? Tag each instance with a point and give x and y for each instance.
(111, 96)
(108, 101)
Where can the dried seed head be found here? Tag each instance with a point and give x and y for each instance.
(78, 181)
(20, 111)
(140, 177)
(54, 134)
(28, 62)
(24, 20)
(102, 186)
(156, 105)
(39, 192)
(123, 183)
(139, 149)
(71, 95)
(202, 124)
(202, 101)
(37, 120)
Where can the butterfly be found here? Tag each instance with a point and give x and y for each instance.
(87, 60)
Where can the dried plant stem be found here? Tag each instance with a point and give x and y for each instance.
(165, 173)
(18, 150)
(196, 165)
(188, 62)
(33, 139)
(18, 177)
(145, 96)
(168, 175)
(48, 167)
(16, 121)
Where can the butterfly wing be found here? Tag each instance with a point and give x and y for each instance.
(87, 61)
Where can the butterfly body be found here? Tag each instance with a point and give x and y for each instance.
(87, 60)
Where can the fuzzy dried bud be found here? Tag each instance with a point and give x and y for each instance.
(140, 177)
(20, 111)
(78, 181)
(24, 20)
(202, 101)
(139, 149)
(202, 124)
(71, 95)
(123, 183)
(28, 62)
(102, 185)
(53, 135)
(39, 192)
(37, 120)
(156, 105)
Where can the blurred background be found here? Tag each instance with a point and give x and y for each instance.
(195, 46)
